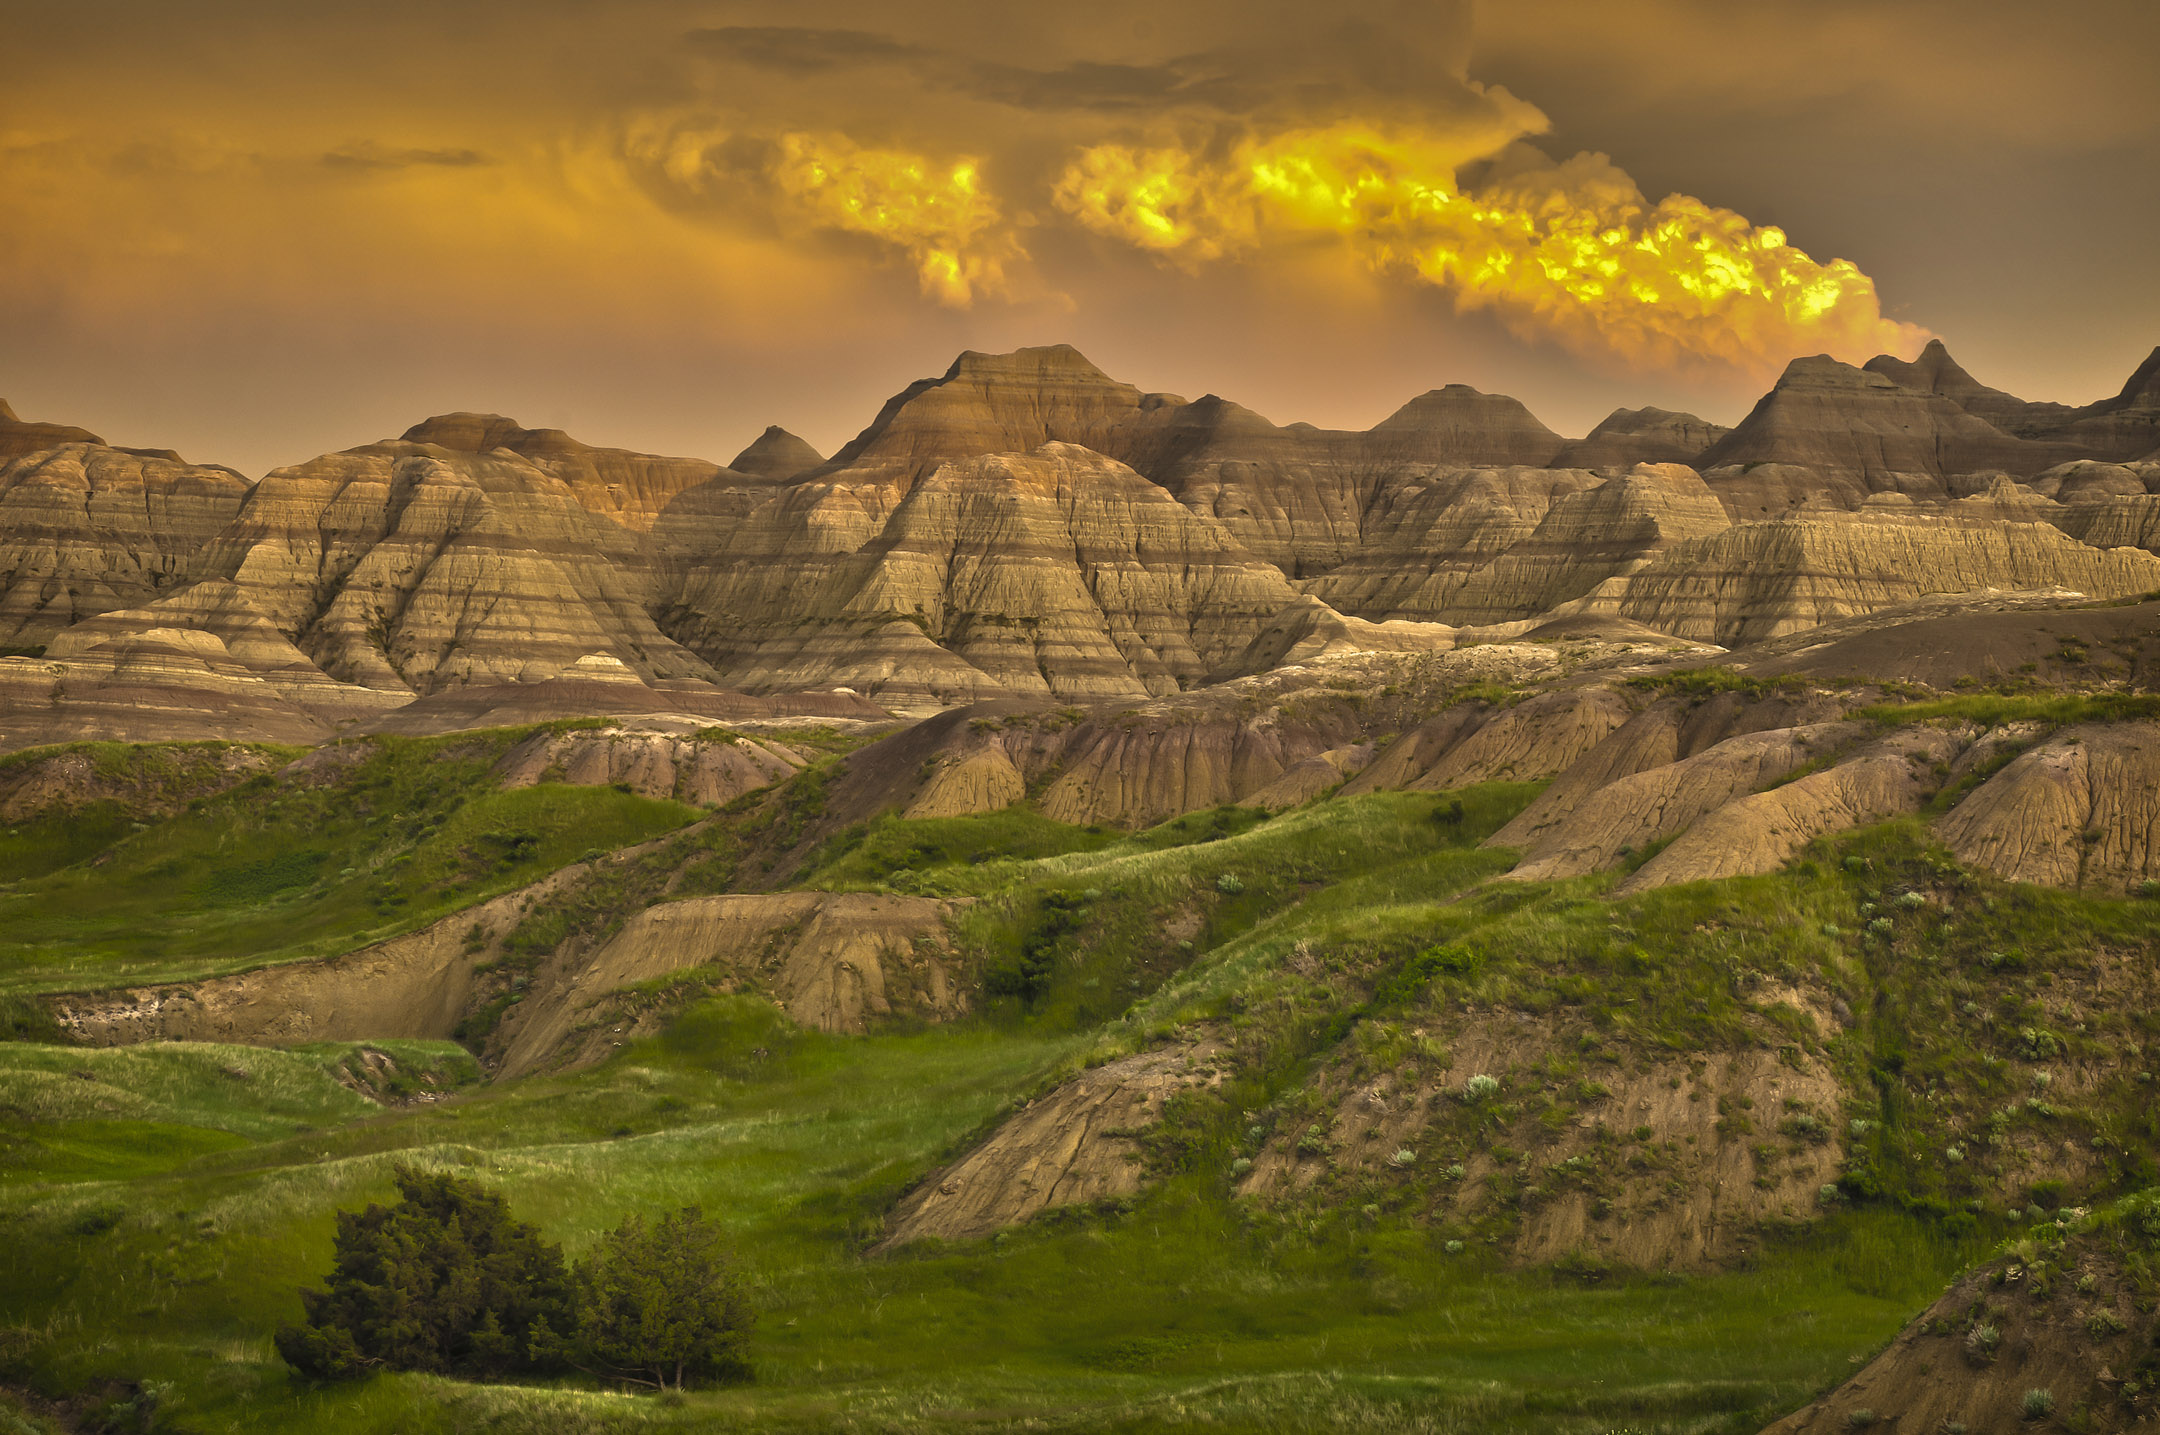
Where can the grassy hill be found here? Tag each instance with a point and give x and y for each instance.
(1292, 1257)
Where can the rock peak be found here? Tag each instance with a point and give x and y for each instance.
(7, 415)
(777, 454)
(2143, 388)
(1047, 361)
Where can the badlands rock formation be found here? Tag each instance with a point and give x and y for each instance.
(1026, 525)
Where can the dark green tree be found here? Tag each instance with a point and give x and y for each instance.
(443, 1281)
(660, 1304)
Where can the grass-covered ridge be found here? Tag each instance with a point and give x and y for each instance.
(377, 837)
(158, 1209)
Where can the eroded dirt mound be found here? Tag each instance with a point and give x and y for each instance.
(836, 961)
(1533, 739)
(1080, 1143)
(2080, 810)
(1761, 832)
(152, 782)
(1648, 807)
(2057, 1333)
(708, 766)
(416, 985)
(1671, 1164)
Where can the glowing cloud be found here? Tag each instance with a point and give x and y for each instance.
(1571, 250)
(935, 211)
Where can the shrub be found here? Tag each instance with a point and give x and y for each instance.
(1860, 1419)
(2104, 1323)
(1229, 884)
(1981, 1343)
(444, 1281)
(1481, 1087)
(2038, 1404)
(660, 1305)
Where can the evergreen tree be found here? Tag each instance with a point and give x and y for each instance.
(443, 1281)
(660, 1304)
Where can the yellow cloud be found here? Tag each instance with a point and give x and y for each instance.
(937, 212)
(1572, 251)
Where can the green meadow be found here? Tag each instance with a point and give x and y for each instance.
(160, 1205)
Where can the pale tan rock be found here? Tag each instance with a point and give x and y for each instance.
(403, 565)
(86, 529)
(1761, 580)
(2081, 811)
(1537, 738)
(1636, 811)
(1760, 833)
(1076, 1145)
(1312, 778)
(707, 771)
(982, 781)
(1056, 573)
(629, 488)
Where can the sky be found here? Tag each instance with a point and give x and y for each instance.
(257, 231)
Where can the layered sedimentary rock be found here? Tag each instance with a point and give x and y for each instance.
(85, 529)
(776, 454)
(600, 686)
(18, 437)
(1760, 580)
(631, 488)
(1430, 534)
(1626, 437)
(1935, 372)
(414, 566)
(1867, 433)
(1058, 573)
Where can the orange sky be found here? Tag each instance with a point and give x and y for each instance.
(256, 231)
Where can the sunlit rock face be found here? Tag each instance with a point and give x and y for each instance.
(413, 566)
(1058, 572)
(85, 529)
(1025, 525)
(631, 488)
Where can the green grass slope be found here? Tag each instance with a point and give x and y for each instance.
(291, 866)
(158, 1210)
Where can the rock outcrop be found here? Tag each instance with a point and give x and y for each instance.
(834, 961)
(1840, 422)
(1626, 437)
(706, 768)
(416, 566)
(1760, 833)
(1076, 1145)
(2081, 1337)
(2082, 810)
(630, 488)
(1760, 580)
(777, 454)
(1056, 573)
(85, 529)
(1645, 808)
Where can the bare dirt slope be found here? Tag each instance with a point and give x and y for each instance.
(1077, 1144)
(2067, 1314)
